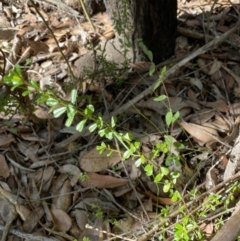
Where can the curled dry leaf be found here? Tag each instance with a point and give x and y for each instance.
(207, 228)
(95, 162)
(62, 221)
(103, 181)
(200, 133)
(4, 170)
(31, 137)
(211, 179)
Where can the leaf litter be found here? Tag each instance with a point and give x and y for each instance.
(58, 190)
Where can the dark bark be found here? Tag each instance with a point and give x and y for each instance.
(154, 21)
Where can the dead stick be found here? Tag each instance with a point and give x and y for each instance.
(231, 229)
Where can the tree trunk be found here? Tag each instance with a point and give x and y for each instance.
(154, 21)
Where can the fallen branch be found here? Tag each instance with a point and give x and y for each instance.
(28, 236)
(231, 229)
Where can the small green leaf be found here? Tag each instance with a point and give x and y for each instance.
(101, 148)
(152, 69)
(26, 92)
(160, 98)
(34, 84)
(127, 154)
(18, 70)
(99, 122)
(113, 121)
(137, 144)
(175, 116)
(158, 178)
(92, 127)
(69, 120)
(89, 110)
(42, 99)
(101, 132)
(110, 153)
(128, 136)
(133, 148)
(149, 169)
(178, 145)
(163, 72)
(71, 110)
(73, 96)
(166, 186)
(52, 102)
(59, 111)
(164, 170)
(138, 162)
(157, 84)
(169, 117)
(81, 125)
(15, 86)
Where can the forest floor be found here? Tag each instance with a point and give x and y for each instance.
(54, 184)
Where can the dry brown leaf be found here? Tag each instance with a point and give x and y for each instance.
(203, 65)
(236, 77)
(5, 210)
(219, 124)
(33, 193)
(33, 219)
(202, 116)
(219, 105)
(200, 133)
(207, 228)
(235, 109)
(218, 94)
(62, 221)
(72, 170)
(43, 177)
(103, 181)
(92, 161)
(5, 140)
(28, 151)
(81, 218)
(7, 34)
(197, 82)
(124, 225)
(215, 67)
(23, 211)
(162, 200)
(4, 170)
(65, 197)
